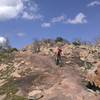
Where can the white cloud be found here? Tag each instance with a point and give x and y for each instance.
(21, 34)
(10, 9)
(58, 19)
(94, 3)
(47, 25)
(31, 16)
(79, 19)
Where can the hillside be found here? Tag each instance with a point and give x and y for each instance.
(29, 75)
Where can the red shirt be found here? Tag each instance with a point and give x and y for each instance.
(59, 52)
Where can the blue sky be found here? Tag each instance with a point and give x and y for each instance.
(22, 21)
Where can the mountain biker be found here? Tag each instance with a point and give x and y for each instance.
(58, 56)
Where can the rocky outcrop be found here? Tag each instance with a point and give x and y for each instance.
(36, 76)
(93, 76)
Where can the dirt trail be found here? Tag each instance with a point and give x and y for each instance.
(56, 83)
(69, 86)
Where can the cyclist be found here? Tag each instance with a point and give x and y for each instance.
(58, 56)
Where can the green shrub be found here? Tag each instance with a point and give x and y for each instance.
(18, 98)
(59, 39)
(76, 43)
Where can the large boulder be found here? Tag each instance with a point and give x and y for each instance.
(93, 76)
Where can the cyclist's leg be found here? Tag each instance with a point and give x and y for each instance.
(57, 60)
(60, 62)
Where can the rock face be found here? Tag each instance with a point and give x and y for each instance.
(36, 94)
(2, 97)
(41, 78)
(94, 76)
(36, 76)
